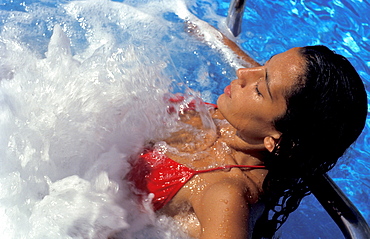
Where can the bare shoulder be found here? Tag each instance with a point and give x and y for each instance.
(223, 203)
(230, 190)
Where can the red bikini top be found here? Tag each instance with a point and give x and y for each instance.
(156, 173)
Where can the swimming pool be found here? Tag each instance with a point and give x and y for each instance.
(270, 27)
(36, 142)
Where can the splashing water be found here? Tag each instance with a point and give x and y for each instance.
(82, 89)
(82, 86)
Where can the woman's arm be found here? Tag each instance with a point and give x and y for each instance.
(208, 33)
(238, 51)
(223, 211)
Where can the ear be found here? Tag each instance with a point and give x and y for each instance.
(270, 142)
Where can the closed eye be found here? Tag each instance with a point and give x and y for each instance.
(258, 91)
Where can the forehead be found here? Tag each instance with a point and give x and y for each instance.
(285, 69)
(291, 61)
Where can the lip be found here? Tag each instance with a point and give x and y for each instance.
(227, 91)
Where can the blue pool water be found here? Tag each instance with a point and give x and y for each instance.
(269, 27)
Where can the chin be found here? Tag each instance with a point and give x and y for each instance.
(220, 103)
(220, 100)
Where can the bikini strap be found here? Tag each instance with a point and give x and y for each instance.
(229, 166)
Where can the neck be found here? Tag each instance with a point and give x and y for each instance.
(244, 151)
(230, 136)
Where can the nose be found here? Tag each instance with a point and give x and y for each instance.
(246, 75)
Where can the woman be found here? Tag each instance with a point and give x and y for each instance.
(277, 125)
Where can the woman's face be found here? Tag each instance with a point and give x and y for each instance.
(252, 102)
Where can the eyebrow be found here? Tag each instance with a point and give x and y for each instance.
(267, 81)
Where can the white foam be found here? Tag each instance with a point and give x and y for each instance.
(74, 106)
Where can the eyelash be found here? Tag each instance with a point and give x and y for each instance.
(257, 90)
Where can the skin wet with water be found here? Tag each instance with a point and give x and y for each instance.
(67, 115)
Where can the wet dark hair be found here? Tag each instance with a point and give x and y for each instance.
(326, 112)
